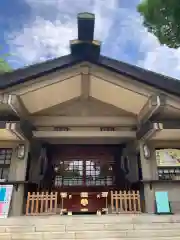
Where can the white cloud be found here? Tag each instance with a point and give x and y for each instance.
(43, 38)
(53, 24)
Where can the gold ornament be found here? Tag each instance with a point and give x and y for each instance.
(84, 194)
(84, 202)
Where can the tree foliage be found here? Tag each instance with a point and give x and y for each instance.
(162, 18)
(4, 66)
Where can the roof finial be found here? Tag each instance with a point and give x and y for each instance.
(86, 23)
(85, 46)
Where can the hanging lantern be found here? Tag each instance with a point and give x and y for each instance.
(146, 151)
(21, 151)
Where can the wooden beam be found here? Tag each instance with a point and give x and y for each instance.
(85, 134)
(58, 121)
(148, 130)
(26, 128)
(9, 128)
(154, 105)
(85, 82)
(22, 129)
(15, 130)
(170, 124)
(18, 106)
(14, 103)
(5, 108)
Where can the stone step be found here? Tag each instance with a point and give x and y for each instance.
(87, 227)
(154, 238)
(91, 227)
(71, 220)
(86, 234)
(93, 235)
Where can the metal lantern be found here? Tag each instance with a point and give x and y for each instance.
(21, 151)
(146, 151)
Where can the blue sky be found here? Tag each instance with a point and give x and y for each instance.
(36, 30)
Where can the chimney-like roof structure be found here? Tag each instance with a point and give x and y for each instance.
(85, 46)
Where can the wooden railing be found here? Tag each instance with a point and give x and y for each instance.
(41, 203)
(125, 202)
(44, 203)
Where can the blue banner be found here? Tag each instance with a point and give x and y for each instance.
(5, 199)
(162, 202)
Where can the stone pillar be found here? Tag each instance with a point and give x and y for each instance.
(18, 173)
(149, 172)
(130, 152)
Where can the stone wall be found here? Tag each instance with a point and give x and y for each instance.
(149, 170)
(17, 173)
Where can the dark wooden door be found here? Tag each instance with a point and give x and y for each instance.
(84, 172)
(83, 169)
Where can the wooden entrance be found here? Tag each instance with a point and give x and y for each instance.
(82, 177)
(41, 203)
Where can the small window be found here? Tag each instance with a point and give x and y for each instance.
(84, 172)
(61, 129)
(107, 129)
(5, 161)
(5, 156)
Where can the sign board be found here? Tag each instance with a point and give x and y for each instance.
(5, 199)
(162, 203)
(168, 157)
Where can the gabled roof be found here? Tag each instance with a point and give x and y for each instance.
(87, 49)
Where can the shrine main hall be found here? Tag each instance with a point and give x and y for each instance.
(83, 130)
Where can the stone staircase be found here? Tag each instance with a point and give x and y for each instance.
(108, 227)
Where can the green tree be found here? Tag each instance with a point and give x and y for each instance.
(162, 18)
(4, 66)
